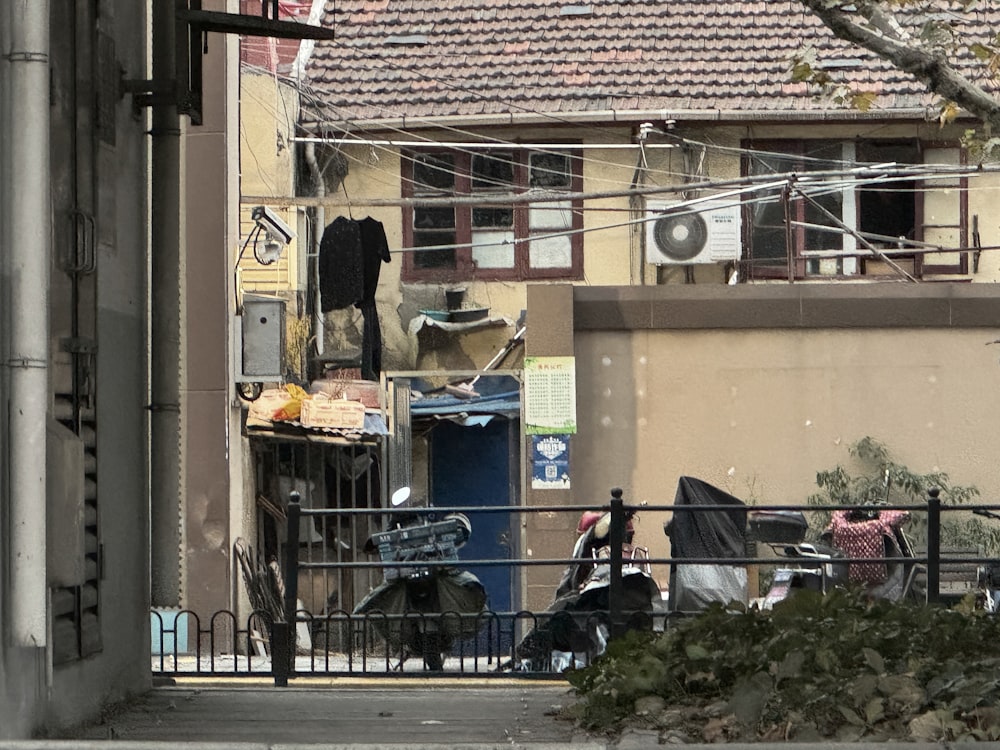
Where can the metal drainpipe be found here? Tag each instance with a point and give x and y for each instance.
(318, 322)
(30, 254)
(166, 315)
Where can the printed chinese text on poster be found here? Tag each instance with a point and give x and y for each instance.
(550, 395)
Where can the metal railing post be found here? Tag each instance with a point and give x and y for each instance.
(933, 544)
(284, 634)
(616, 589)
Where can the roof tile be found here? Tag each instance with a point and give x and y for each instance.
(488, 56)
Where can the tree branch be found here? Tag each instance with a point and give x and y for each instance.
(928, 66)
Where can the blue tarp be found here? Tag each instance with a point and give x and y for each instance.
(495, 396)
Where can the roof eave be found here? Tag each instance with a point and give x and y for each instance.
(632, 116)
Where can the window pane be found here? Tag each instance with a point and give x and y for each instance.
(818, 211)
(491, 249)
(433, 173)
(549, 171)
(435, 217)
(443, 258)
(552, 252)
(768, 216)
(551, 216)
(492, 217)
(493, 171)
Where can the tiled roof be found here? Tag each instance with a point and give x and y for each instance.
(556, 57)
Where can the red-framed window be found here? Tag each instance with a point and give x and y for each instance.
(462, 224)
(791, 235)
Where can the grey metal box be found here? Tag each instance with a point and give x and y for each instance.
(263, 328)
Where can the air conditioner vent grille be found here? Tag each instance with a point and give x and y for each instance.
(709, 232)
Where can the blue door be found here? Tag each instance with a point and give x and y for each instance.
(476, 466)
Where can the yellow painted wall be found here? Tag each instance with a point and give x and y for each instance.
(613, 252)
(268, 110)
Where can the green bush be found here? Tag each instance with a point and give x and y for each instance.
(837, 666)
(882, 480)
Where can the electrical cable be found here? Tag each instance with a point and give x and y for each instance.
(394, 178)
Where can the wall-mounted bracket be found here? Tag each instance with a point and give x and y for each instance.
(192, 27)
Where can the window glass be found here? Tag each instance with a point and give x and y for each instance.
(440, 257)
(493, 171)
(551, 252)
(553, 215)
(433, 173)
(549, 171)
(768, 211)
(493, 249)
(491, 239)
(434, 226)
(492, 217)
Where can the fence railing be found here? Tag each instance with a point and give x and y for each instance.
(341, 641)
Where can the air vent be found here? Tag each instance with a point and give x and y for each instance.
(576, 10)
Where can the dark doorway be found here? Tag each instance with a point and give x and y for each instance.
(476, 466)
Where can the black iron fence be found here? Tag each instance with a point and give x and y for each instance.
(342, 641)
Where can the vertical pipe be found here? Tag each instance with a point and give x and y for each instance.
(312, 256)
(165, 466)
(616, 586)
(30, 255)
(789, 232)
(933, 545)
(292, 576)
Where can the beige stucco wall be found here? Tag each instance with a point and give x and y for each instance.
(758, 413)
(756, 389)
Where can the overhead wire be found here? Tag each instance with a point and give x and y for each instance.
(574, 152)
(393, 178)
(740, 150)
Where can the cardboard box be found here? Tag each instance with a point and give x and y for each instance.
(367, 392)
(273, 404)
(328, 412)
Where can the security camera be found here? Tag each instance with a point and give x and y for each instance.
(271, 223)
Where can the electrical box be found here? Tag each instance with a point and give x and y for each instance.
(259, 340)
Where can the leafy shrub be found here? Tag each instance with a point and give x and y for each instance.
(836, 666)
(885, 481)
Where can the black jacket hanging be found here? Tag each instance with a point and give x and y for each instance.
(375, 250)
(351, 254)
(341, 267)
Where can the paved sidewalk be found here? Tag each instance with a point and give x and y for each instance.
(419, 712)
(411, 715)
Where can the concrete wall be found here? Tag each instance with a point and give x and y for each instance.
(211, 200)
(33, 696)
(755, 389)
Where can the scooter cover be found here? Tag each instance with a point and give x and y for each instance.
(706, 534)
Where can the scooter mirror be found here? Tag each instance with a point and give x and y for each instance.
(400, 496)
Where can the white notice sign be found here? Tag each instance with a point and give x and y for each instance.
(550, 395)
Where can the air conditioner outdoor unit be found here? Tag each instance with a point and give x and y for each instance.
(708, 232)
